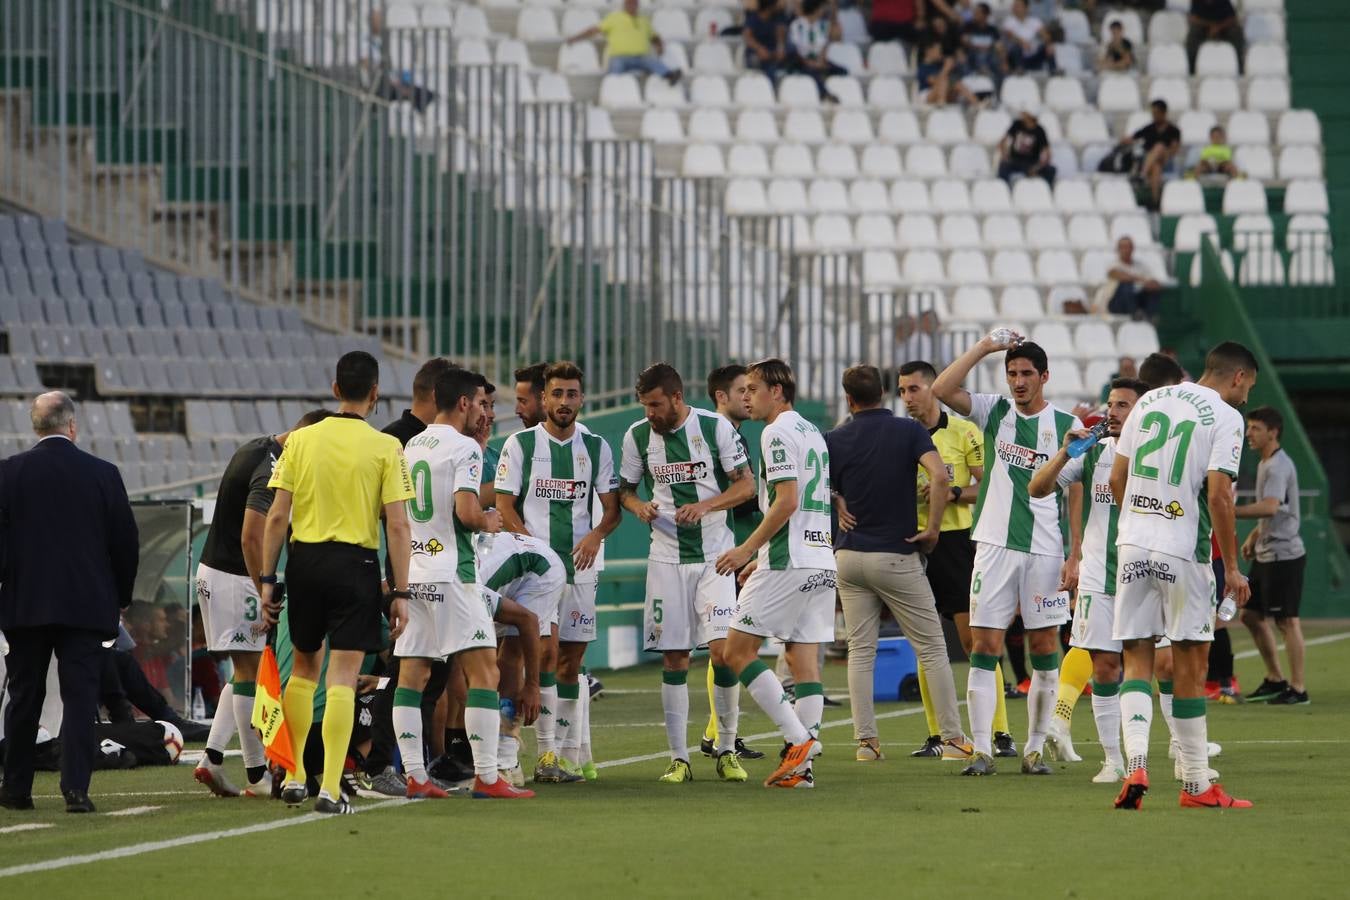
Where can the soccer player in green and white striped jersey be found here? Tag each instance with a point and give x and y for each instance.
(547, 480)
(1019, 555)
(1095, 613)
(695, 470)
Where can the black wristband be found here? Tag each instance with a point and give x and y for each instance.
(401, 595)
(957, 498)
(267, 579)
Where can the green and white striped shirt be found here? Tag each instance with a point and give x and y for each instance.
(1101, 516)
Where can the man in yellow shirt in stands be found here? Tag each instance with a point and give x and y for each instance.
(630, 43)
(961, 445)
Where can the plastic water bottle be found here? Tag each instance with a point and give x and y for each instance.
(1005, 336)
(198, 705)
(1227, 609)
(1085, 443)
(508, 709)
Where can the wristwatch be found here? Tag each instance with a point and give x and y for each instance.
(401, 595)
(956, 495)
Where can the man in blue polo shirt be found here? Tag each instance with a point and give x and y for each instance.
(872, 460)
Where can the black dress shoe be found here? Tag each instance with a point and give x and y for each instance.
(78, 802)
(15, 803)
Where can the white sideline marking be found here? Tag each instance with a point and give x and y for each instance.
(186, 840)
(134, 811)
(194, 757)
(101, 795)
(1311, 642)
(27, 826)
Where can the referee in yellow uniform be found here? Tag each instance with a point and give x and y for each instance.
(332, 481)
(961, 445)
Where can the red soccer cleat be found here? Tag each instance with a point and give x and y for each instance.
(425, 790)
(1214, 798)
(1132, 794)
(501, 789)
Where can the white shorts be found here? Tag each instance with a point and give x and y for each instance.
(540, 594)
(230, 609)
(793, 605)
(576, 613)
(688, 605)
(445, 618)
(1006, 582)
(1093, 621)
(1162, 595)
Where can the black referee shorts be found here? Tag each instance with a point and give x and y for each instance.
(1277, 587)
(949, 568)
(333, 592)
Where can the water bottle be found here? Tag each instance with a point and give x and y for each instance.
(1228, 608)
(1079, 446)
(198, 705)
(1005, 336)
(508, 709)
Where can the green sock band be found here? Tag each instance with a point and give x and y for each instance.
(1105, 690)
(809, 689)
(1137, 686)
(569, 691)
(407, 697)
(679, 677)
(723, 676)
(1164, 687)
(751, 672)
(479, 698)
(245, 688)
(985, 661)
(1188, 708)
(548, 679)
(1045, 662)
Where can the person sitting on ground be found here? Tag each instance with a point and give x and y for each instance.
(1217, 157)
(1118, 54)
(1028, 41)
(765, 35)
(630, 43)
(1137, 289)
(1025, 150)
(1160, 141)
(809, 39)
(940, 64)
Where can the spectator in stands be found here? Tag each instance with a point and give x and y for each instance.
(1160, 142)
(395, 86)
(1217, 157)
(1214, 20)
(940, 63)
(896, 20)
(980, 40)
(765, 35)
(1126, 367)
(1027, 40)
(1025, 150)
(1118, 54)
(1132, 289)
(630, 43)
(809, 39)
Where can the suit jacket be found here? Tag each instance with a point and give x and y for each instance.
(68, 541)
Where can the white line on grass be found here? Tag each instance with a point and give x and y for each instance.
(1311, 642)
(27, 826)
(101, 795)
(134, 810)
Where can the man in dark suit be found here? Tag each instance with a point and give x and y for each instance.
(68, 556)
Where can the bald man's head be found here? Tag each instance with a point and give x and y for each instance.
(53, 413)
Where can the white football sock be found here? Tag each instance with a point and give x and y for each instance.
(250, 742)
(1040, 707)
(981, 698)
(584, 750)
(1193, 741)
(1165, 704)
(408, 727)
(727, 705)
(481, 726)
(768, 693)
(1136, 713)
(1106, 713)
(569, 730)
(675, 703)
(223, 725)
(545, 727)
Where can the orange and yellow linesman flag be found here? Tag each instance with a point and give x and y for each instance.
(267, 715)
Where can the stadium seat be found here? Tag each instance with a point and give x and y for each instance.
(852, 127)
(880, 161)
(1241, 197)
(960, 230)
(951, 196)
(1057, 267)
(1307, 230)
(757, 125)
(837, 161)
(875, 230)
(798, 92)
(1074, 195)
(1134, 226)
(1264, 27)
(1267, 94)
(1137, 339)
(1167, 60)
(1191, 229)
(713, 58)
(1261, 267)
(1002, 232)
(990, 195)
(1021, 303)
(831, 231)
(880, 270)
(969, 161)
(1219, 94)
(1088, 231)
(1306, 196)
(1176, 91)
(662, 125)
(887, 58)
(662, 94)
(672, 24)
(1129, 21)
(1032, 195)
(946, 127)
(793, 161)
(900, 127)
(847, 91)
(746, 197)
(973, 302)
(1299, 126)
(753, 89)
(787, 195)
(1255, 161)
(535, 23)
(827, 195)
(1181, 197)
(1045, 231)
(1117, 94)
(1253, 231)
(967, 267)
(1195, 125)
(1021, 92)
(910, 195)
(1311, 266)
(925, 161)
(702, 161)
(1267, 59)
(746, 160)
(805, 126)
(1166, 27)
(1075, 25)
(709, 91)
(1095, 339)
(1216, 58)
(846, 56)
(990, 126)
(1012, 267)
(923, 267)
(709, 126)
(1064, 94)
(620, 92)
(917, 231)
(887, 91)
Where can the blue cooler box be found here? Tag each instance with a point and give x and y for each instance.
(895, 666)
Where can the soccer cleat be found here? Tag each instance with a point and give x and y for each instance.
(1059, 744)
(678, 773)
(328, 806)
(388, 784)
(594, 685)
(1213, 749)
(1032, 764)
(707, 748)
(293, 793)
(796, 759)
(501, 789)
(1131, 796)
(869, 751)
(589, 771)
(729, 767)
(1290, 697)
(515, 776)
(546, 770)
(1214, 798)
(571, 771)
(802, 781)
(1110, 774)
(1268, 691)
(1013, 692)
(1004, 746)
(425, 790)
(745, 752)
(213, 776)
(982, 764)
(449, 769)
(957, 749)
(932, 746)
(262, 787)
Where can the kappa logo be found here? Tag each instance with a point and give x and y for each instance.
(474, 737)
(563, 723)
(1137, 718)
(746, 620)
(407, 736)
(545, 711)
(239, 638)
(786, 698)
(1152, 506)
(479, 635)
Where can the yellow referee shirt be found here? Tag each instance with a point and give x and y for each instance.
(961, 446)
(341, 473)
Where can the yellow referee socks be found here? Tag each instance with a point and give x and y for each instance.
(297, 705)
(1000, 703)
(338, 716)
(929, 716)
(1074, 672)
(710, 730)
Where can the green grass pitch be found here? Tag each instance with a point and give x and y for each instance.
(903, 826)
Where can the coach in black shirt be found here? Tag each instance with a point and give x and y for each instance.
(873, 459)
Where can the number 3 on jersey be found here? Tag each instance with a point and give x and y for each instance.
(819, 464)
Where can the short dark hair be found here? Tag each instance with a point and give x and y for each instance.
(720, 379)
(565, 370)
(1030, 351)
(313, 417)
(1158, 370)
(488, 386)
(1268, 416)
(454, 384)
(357, 374)
(920, 367)
(1115, 23)
(1230, 356)
(1130, 384)
(424, 382)
(1159, 104)
(533, 375)
(660, 375)
(862, 383)
(985, 7)
(774, 371)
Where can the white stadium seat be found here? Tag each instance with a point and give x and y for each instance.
(1002, 232)
(1129, 21)
(663, 125)
(1134, 226)
(951, 196)
(793, 161)
(1087, 231)
(1167, 59)
(875, 230)
(925, 160)
(713, 58)
(1013, 267)
(852, 126)
(1310, 265)
(1118, 93)
(672, 24)
(887, 58)
(960, 230)
(755, 90)
(798, 92)
(620, 92)
(900, 127)
(832, 231)
(1267, 59)
(1087, 126)
(866, 195)
(1020, 92)
(917, 231)
(787, 195)
(1031, 195)
(1267, 94)
(709, 125)
(847, 90)
(1192, 228)
(1255, 161)
(1242, 197)
(923, 267)
(973, 302)
(757, 125)
(1182, 197)
(534, 24)
(804, 125)
(1064, 94)
(746, 196)
(1045, 231)
(1176, 91)
(1114, 194)
(1167, 27)
(661, 93)
(1253, 231)
(847, 57)
(702, 161)
(1299, 126)
(744, 160)
(1216, 58)
(1074, 195)
(991, 195)
(910, 195)
(1307, 230)
(1306, 196)
(837, 161)
(1264, 27)
(946, 127)
(967, 267)
(1219, 93)
(1055, 339)
(827, 195)
(1249, 128)
(881, 161)
(880, 270)
(1075, 25)
(1021, 304)
(990, 126)
(887, 91)
(1137, 339)
(1261, 267)
(1057, 267)
(709, 91)
(1195, 124)
(969, 161)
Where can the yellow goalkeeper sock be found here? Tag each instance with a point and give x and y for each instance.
(297, 705)
(929, 716)
(338, 716)
(1000, 703)
(710, 730)
(1074, 673)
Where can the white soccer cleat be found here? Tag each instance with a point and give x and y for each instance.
(260, 788)
(1214, 749)
(1059, 744)
(213, 776)
(515, 776)
(1111, 773)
